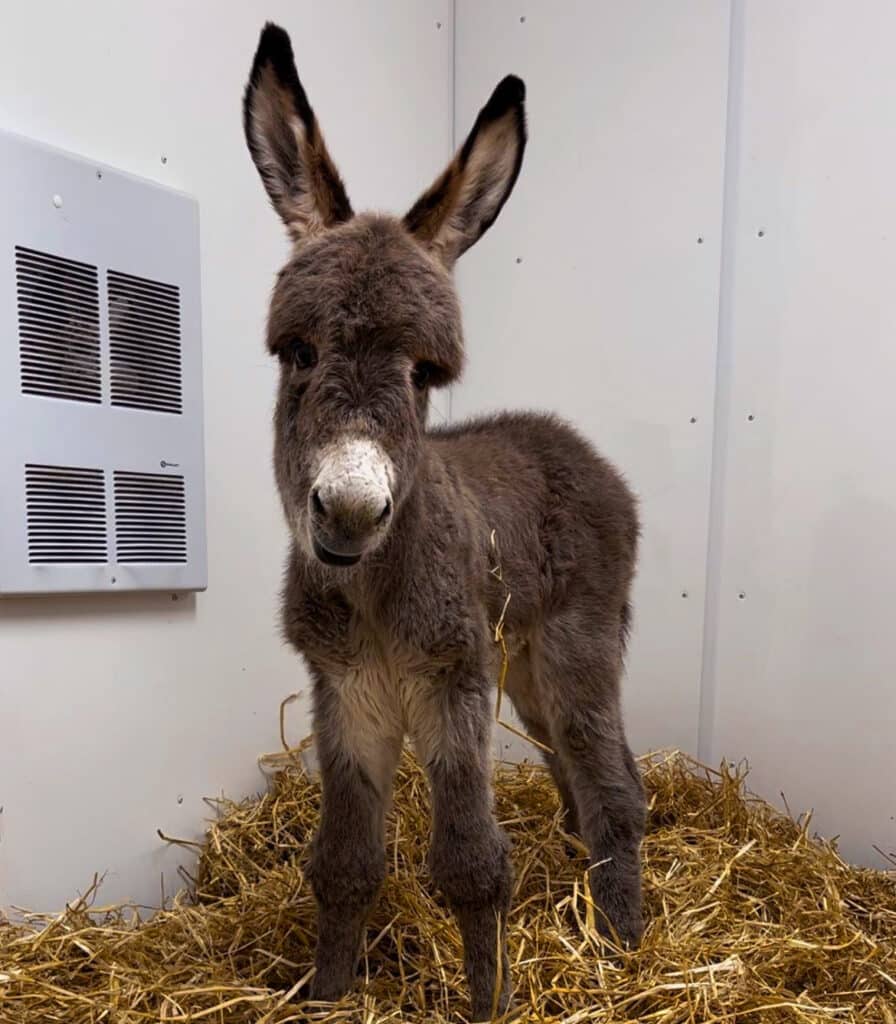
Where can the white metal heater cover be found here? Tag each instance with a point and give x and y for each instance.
(101, 440)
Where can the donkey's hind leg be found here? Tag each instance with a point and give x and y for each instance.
(521, 690)
(579, 670)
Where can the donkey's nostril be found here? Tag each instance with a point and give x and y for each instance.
(387, 511)
(316, 503)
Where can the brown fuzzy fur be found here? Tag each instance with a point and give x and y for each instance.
(400, 643)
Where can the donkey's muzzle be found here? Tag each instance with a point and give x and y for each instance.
(350, 501)
(331, 558)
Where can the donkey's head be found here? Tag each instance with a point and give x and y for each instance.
(364, 317)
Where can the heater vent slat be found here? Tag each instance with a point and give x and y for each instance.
(59, 326)
(65, 512)
(145, 344)
(150, 517)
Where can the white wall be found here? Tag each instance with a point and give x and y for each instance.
(801, 678)
(611, 316)
(113, 709)
(616, 318)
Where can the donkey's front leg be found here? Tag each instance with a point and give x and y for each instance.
(357, 761)
(469, 858)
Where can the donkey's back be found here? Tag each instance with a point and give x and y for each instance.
(561, 519)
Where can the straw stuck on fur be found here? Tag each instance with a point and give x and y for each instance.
(750, 919)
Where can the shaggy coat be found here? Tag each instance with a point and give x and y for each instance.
(406, 540)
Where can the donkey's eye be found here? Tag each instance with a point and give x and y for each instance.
(423, 375)
(302, 353)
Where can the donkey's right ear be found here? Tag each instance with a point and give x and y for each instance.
(286, 144)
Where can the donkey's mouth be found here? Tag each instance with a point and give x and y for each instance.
(331, 558)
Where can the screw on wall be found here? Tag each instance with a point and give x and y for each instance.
(164, 159)
(57, 201)
(522, 19)
(750, 418)
(699, 239)
(99, 175)
(180, 798)
(741, 595)
(684, 594)
(519, 259)
(760, 233)
(438, 24)
(693, 419)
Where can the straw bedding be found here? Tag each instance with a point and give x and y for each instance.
(751, 919)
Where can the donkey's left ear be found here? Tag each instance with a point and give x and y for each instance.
(286, 144)
(463, 203)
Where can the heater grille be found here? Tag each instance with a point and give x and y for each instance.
(150, 517)
(59, 326)
(65, 510)
(102, 479)
(144, 343)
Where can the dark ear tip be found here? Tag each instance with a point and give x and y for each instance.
(274, 48)
(509, 92)
(273, 32)
(515, 87)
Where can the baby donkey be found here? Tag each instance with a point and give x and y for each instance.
(388, 592)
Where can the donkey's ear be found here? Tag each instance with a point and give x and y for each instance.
(463, 203)
(286, 143)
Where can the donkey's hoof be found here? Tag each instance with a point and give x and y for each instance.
(619, 925)
(624, 934)
(631, 931)
(325, 989)
(506, 1013)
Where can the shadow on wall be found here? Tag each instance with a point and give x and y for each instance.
(821, 735)
(49, 608)
(852, 565)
